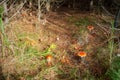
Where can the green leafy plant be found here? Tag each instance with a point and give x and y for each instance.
(48, 51)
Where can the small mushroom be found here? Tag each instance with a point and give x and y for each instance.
(90, 28)
(82, 54)
(49, 59)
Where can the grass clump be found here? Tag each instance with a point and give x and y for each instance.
(3, 37)
(114, 70)
(83, 22)
(29, 62)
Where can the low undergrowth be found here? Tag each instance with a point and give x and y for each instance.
(36, 53)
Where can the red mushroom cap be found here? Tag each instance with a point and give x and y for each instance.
(82, 54)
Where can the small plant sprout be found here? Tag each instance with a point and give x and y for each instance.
(49, 59)
(90, 28)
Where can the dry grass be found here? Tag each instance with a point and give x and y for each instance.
(62, 37)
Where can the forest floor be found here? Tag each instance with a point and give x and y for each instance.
(61, 37)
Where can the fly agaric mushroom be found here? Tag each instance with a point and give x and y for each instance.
(82, 54)
(49, 59)
(90, 28)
